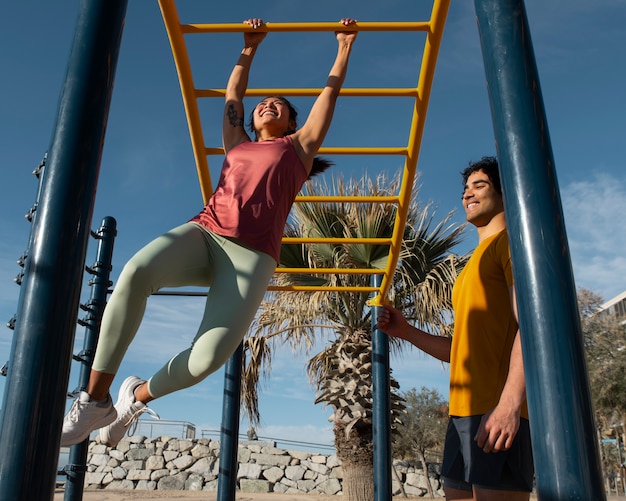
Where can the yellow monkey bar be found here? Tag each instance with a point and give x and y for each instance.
(434, 30)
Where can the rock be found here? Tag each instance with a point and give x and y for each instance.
(172, 483)
(169, 464)
(259, 486)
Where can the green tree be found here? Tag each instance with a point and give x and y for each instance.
(604, 338)
(423, 427)
(341, 372)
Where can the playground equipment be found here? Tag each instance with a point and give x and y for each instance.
(421, 94)
(381, 278)
(566, 456)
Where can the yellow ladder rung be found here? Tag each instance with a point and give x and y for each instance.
(196, 28)
(337, 240)
(332, 271)
(330, 150)
(335, 288)
(289, 92)
(349, 199)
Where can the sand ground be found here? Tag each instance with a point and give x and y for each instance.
(126, 495)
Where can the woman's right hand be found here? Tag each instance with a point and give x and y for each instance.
(254, 38)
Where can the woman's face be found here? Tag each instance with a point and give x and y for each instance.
(273, 115)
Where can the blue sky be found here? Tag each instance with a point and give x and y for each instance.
(148, 180)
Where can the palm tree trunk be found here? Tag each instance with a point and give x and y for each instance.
(358, 484)
(356, 453)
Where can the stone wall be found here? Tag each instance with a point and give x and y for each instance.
(165, 463)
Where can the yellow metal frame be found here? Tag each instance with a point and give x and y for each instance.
(434, 29)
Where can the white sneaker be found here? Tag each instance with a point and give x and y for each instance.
(84, 416)
(128, 410)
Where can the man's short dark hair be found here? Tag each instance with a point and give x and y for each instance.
(489, 165)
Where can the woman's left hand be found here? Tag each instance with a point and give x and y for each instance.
(346, 35)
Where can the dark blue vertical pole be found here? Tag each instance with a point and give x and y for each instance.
(35, 392)
(381, 411)
(567, 461)
(101, 271)
(229, 432)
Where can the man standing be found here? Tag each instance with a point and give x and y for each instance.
(487, 454)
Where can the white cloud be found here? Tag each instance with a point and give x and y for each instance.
(595, 210)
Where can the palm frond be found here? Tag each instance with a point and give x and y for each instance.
(422, 287)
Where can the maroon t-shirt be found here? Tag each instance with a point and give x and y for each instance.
(258, 184)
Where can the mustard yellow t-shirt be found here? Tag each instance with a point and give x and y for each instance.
(484, 329)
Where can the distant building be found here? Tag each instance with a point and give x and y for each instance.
(615, 307)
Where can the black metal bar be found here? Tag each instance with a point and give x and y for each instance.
(381, 407)
(99, 289)
(30, 216)
(566, 454)
(35, 392)
(229, 432)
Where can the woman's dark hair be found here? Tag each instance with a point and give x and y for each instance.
(489, 165)
(319, 164)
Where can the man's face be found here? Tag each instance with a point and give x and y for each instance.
(481, 201)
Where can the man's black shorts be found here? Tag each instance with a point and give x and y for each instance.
(466, 465)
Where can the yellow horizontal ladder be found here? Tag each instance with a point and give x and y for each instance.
(433, 28)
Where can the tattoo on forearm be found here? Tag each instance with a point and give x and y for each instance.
(233, 118)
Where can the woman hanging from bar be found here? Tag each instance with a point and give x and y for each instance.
(232, 246)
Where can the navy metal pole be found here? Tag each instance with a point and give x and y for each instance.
(567, 460)
(229, 432)
(35, 392)
(101, 270)
(381, 407)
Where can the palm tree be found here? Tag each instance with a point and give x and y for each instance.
(341, 372)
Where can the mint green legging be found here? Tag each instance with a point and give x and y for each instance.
(186, 256)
